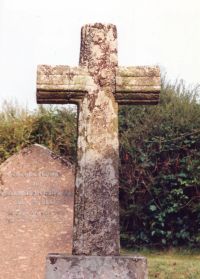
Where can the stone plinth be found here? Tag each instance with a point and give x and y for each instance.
(95, 267)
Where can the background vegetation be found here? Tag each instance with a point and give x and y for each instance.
(54, 127)
(160, 170)
(160, 161)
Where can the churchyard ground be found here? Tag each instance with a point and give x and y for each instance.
(172, 264)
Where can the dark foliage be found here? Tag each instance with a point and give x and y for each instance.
(160, 177)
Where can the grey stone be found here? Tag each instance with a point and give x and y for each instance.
(97, 86)
(95, 267)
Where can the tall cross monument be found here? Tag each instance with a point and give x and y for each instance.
(98, 85)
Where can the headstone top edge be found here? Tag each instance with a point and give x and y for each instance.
(36, 146)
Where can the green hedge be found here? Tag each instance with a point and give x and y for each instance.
(160, 171)
(54, 127)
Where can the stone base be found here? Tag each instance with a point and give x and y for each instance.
(62, 266)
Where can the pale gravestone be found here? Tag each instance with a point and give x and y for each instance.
(36, 211)
(97, 86)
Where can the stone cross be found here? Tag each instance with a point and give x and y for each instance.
(97, 86)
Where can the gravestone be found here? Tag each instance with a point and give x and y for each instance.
(97, 86)
(36, 211)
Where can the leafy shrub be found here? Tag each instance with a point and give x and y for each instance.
(160, 163)
(54, 127)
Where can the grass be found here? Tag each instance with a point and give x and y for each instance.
(172, 264)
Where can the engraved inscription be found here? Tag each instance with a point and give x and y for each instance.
(36, 174)
(35, 193)
(42, 199)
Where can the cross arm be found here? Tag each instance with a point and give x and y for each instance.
(137, 85)
(61, 84)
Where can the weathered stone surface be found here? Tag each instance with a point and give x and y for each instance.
(137, 85)
(138, 71)
(86, 267)
(96, 222)
(98, 92)
(64, 84)
(58, 83)
(36, 216)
